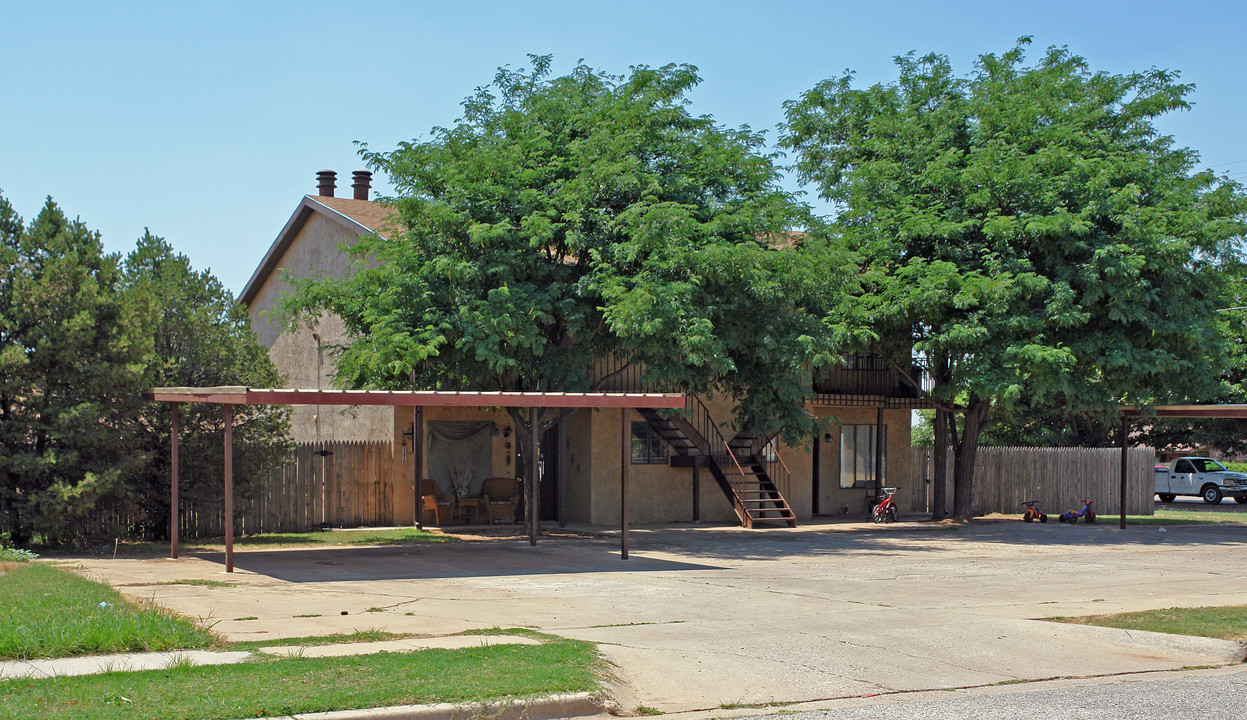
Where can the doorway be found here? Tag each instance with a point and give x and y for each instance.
(549, 485)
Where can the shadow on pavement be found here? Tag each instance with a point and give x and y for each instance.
(457, 560)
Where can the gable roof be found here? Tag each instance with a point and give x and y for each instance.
(358, 216)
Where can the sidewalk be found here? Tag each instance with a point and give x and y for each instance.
(122, 662)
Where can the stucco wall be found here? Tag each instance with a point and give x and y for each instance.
(579, 466)
(656, 493)
(305, 356)
(314, 250)
(833, 498)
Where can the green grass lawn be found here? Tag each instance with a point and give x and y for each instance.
(278, 687)
(47, 612)
(1228, 622)
(366, 536)
(1184, 517)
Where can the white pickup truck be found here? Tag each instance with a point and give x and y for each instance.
(1200, 476)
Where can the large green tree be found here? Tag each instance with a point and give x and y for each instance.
(201, 337)
(82, 334)
(568, 220)
(1028, 234)
(72, 355)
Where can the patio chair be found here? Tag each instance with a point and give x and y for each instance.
(445, 502)
(502, 499)
(428, 509)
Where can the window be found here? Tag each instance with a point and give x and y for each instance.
(648, 447)
(857, 455)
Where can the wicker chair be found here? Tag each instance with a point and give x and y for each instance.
(502, 499)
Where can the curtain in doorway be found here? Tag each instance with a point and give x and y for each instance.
(460, 455)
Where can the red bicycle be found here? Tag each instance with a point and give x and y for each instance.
(885, 509)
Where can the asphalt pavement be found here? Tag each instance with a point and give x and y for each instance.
(1206, 695)
(1194, 504)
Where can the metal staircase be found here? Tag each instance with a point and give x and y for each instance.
(746, 468)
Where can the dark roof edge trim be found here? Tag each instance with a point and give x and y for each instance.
(233, 395)
(307, 206)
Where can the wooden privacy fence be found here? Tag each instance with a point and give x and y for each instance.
(1059, 478)
(325, 484)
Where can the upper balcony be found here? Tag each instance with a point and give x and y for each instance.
(865, 380)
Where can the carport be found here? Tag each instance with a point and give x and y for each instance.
(229, 396)
(1228, 412)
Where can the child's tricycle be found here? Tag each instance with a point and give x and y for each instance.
(1033, 513)
(1071, 517)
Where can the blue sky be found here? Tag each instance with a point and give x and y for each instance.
(207, 122)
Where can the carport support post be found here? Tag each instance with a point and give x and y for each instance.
(173, 485)
(696, 489)
(229, 488)
(534, 509)
(417, 461)
(625, 435)
(562, 476)
(879, 430)
(1124, 433)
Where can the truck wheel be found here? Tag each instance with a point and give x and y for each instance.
(1166, 497)
(1241, 499)
(1212, 494)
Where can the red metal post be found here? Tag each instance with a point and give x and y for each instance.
(417, 460)
(534, 492)
(1124, 433)
(624, 453)
(229, 488)
(173, 486)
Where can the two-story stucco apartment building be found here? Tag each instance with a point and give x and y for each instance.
(866, 440)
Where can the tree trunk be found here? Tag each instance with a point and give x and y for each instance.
(973, 420)
(527, 425)
(939, 479)
(939, 458)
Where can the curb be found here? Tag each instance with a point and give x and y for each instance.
(546, 708)
(1226, 651)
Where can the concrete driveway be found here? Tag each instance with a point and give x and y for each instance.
(702, 617)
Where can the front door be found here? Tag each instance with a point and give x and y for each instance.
(549, 501)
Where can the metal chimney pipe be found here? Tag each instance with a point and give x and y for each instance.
(362, 182)
(326, 181)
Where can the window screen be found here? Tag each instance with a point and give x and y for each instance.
(857, 455)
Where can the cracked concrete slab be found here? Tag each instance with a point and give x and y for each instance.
(702, 617)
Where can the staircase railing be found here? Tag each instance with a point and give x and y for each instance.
(776, 468)
(617, 373)
(698, 415)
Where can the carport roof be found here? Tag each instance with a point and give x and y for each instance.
(1189, 411)
(241, 395)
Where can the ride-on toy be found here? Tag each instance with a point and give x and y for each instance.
(1033, 513)
(885, 511)
(1071, 517)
